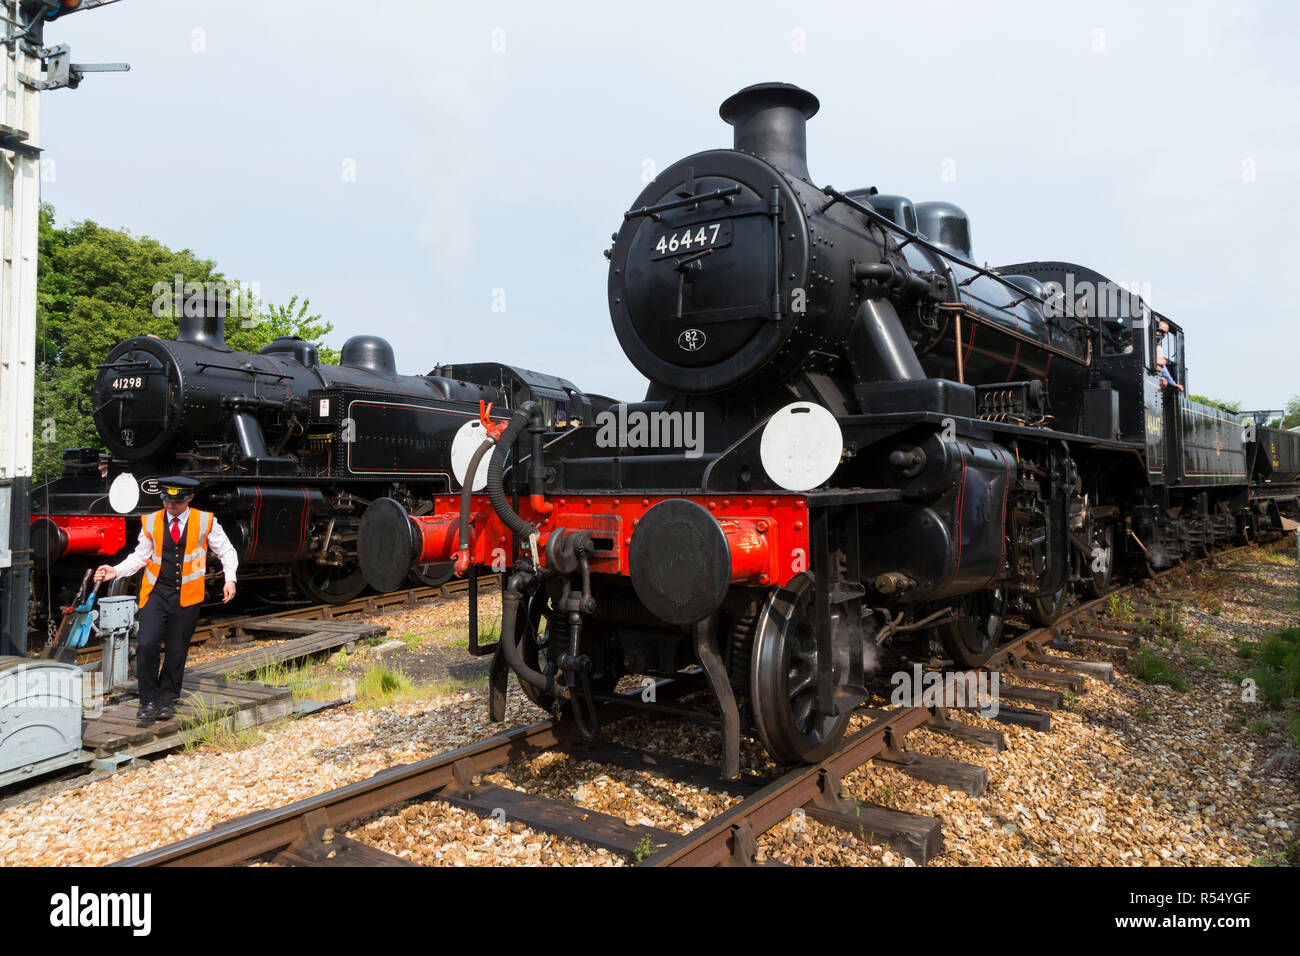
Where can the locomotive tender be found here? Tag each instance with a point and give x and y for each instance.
(289, 451)
(898, 445)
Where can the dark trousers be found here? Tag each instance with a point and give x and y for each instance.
(163, 621)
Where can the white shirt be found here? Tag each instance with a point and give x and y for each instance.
(218, 544)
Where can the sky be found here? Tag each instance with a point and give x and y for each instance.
(447, 175)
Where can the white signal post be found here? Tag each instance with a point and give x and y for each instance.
(20, 194)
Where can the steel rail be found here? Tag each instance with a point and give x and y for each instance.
(264, 831)
(713, 843)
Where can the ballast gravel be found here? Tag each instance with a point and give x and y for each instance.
(1131, 773)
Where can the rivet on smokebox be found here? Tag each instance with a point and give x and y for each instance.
(798, 526)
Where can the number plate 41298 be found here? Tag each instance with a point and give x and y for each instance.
(684, 240)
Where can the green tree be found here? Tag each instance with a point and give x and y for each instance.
(272, 321)
(1215, 403)
(1292, 417)
(98, 286)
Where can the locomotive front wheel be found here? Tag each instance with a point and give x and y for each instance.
(327, 584)
(783, 678)
(432, 575)
(973, 633)
(1044, 611)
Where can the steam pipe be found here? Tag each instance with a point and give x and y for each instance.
(496, 469)
(895, 279)
(251, 442)
(878, 349)
(466, 491)
(510, 600)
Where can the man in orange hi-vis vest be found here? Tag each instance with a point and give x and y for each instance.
(172, 549)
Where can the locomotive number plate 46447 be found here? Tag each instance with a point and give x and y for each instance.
(687, 239)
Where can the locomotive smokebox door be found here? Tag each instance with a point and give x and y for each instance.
(680, 562)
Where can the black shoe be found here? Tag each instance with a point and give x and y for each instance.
(166, 711)
(147, 714)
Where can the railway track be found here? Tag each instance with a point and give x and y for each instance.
(222, 628)
(225, 628)
(304, 833)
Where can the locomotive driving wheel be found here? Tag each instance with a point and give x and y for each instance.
(1044, 611)
(783, 677)
(974, 631)
(329, 584)
(432, 575)
(1101, 562)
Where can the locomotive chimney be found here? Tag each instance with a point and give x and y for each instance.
(201, 318)
(771, 121)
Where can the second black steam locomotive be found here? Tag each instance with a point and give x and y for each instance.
(289, 451)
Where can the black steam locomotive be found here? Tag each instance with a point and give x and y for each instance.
(289, 451)
(858, 436)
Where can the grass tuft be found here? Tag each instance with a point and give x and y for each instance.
(211, 726)
(1277, 669)
(381, 687)
(1151, 667)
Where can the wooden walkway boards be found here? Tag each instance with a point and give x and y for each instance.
(209, 695)
(117, 730)
(314, 637)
